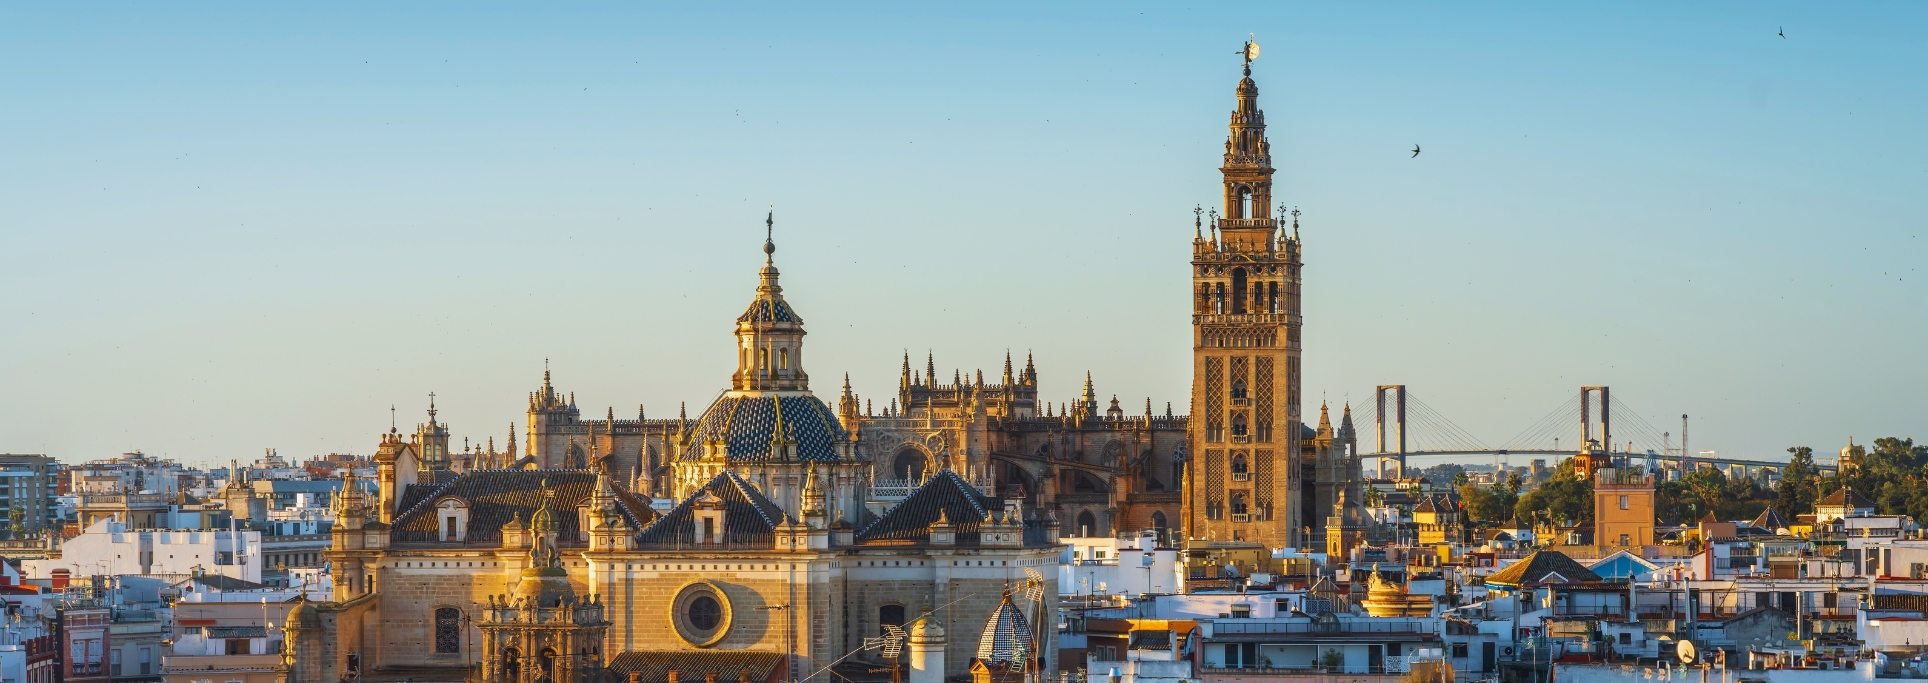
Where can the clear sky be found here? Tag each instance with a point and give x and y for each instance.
(229, 228)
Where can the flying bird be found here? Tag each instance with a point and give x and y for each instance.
(1415, 152)
(1782, 33)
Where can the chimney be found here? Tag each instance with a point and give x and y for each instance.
(637, 676)
(672, 676)
(709, 677)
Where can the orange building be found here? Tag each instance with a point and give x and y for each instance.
(1623, 508)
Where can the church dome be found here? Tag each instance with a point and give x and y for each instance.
(1007, 636)
(746, 428)
(303, 616)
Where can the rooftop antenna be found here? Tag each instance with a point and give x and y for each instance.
(391, 418)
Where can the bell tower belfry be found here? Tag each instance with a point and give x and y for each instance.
(1242, 481)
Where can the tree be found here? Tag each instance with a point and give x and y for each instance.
(1460, 480)
(1564, 497)
(1485, 503)
(1514, 481)
(1795, 495)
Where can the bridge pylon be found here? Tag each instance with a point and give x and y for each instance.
(1399, 424)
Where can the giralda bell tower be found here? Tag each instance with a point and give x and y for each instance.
(1242, 481)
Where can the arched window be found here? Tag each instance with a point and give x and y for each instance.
(1158, 522)
(1245, 202)
(1238, 387)
(908, 465)
(1087, 524)
(1238, 464)
(1219, 298)
(1238, 503)
(511, 664)
(1238, 425)
(763, 358)
(1238, 290)
(783, 359)
(1272, 297)
(448, 631)
(892, 615)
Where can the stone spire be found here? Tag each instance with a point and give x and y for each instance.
(1007, 367)
(1090, 397)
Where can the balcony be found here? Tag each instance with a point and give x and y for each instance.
(1267, 627)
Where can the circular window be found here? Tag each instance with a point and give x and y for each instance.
(701, 614)
(705, 613)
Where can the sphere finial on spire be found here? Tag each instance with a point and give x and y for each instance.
(769, 233)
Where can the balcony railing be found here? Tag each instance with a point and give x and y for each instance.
(1239, 627)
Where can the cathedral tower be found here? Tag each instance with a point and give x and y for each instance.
(1243, 477)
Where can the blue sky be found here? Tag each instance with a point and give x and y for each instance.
(229, 228)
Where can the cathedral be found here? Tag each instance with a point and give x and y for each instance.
(773, 537)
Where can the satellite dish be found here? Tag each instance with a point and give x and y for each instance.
(1251, 50)
(1687, 653)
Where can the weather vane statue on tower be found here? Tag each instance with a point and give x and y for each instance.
(1250, 52)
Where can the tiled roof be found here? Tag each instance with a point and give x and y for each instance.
(692, 666)
(495, 497)
(222, 583)
(1532, 569)
(1771, 519)
(749, 519)
(414, 493)
(770, 309)
(911, 518)
(225, 632)
(1006, 637)
(1846, 497)
(745, 425)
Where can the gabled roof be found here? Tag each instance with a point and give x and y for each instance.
(1535, 568)
(1621, 565)
(1846, 497)
(693, 666)
(749, 519)
(910, 520)
(495, 497)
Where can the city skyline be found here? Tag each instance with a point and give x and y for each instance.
(244, 243)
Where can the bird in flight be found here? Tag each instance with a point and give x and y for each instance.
(1415, 151)
(1782, 33)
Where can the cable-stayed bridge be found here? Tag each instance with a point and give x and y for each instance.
(1406, 429)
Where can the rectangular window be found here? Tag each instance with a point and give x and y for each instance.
(1626, 638)
(1623, 506)
(116, 663)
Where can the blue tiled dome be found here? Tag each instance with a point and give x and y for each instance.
(745, 424)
